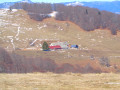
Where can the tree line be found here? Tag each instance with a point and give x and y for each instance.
(36, 11)
(14, 63)
(87, 18)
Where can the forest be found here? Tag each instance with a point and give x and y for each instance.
(14, 63)
(87, 18)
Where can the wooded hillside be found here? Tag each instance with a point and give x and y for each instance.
(87, 18)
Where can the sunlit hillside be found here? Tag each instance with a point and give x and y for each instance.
(18, 30)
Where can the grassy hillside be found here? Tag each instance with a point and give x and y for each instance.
(67, 81)
(17, 30)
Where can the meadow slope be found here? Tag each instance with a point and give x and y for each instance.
(18, 30)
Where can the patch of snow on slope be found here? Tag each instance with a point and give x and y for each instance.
(12, 41)
(3, 22)
(14, 24)
(18, 32)
(14, 10)
(3, 12)
(113, 83)
(53, 14)
(30, 29)
(60, 28)
(75, 4)
(42, 26)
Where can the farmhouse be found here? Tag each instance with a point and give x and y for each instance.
(59, 45)
(55, 47)
(53, 44)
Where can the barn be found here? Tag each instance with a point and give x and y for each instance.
(63, 45)
(55, 47)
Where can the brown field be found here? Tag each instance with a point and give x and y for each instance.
(67, 81)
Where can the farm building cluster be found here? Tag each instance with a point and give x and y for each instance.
(61, 45)
(52, 44)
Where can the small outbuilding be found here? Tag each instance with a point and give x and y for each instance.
(74, 46)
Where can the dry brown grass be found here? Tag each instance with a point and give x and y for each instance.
(67, 81)
(73, 56)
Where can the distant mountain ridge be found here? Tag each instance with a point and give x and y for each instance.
(108, 6)
(8, 4)
(113, 6)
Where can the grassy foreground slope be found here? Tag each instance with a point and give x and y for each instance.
(67, 81)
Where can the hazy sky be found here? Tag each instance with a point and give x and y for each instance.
(1, 1)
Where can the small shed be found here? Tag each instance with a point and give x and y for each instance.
(74, 46)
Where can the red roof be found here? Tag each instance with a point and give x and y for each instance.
(55, 47)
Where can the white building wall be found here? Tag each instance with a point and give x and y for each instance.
(63, 45)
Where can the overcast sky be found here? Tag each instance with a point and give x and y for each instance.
(55, 1)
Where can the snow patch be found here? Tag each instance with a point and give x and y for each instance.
(2, 23)
(14, 10)
(3, 12)
(18, 32)
(30, 29)
(60, 28)
(9, 36)
(12, 41)
(14, 24)
(111, 83)
(42, 26)
(53, 14)
(75, 4)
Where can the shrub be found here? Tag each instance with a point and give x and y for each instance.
(104, 61)
(45, 46)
